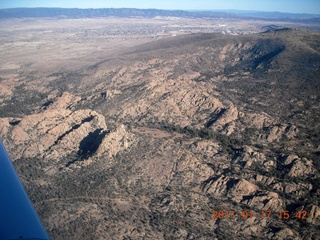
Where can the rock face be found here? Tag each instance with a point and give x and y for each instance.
(62, 135)
(314, 215)
(66, 101)
(116, 141)
(234, 187)
(266, 200)
(54, 133)
(301, 167)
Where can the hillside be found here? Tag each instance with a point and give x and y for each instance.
(190, 125)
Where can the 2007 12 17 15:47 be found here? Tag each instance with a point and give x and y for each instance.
(245, 214)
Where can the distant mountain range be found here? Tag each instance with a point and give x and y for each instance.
(148, 13)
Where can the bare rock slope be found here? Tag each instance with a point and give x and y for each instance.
(196, 124)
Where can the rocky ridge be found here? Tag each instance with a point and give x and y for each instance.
(61, 135)
(197, 124)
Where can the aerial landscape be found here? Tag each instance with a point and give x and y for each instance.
(156, 122)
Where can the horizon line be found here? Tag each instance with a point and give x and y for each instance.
(183, 10)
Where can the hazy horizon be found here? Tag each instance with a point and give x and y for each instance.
(285, 6)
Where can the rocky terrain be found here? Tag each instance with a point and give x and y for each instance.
(190, 125)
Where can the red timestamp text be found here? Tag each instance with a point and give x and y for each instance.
(263, 214)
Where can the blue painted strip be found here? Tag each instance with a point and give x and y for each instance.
(18, 219)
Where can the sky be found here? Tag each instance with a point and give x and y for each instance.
(289, 6)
